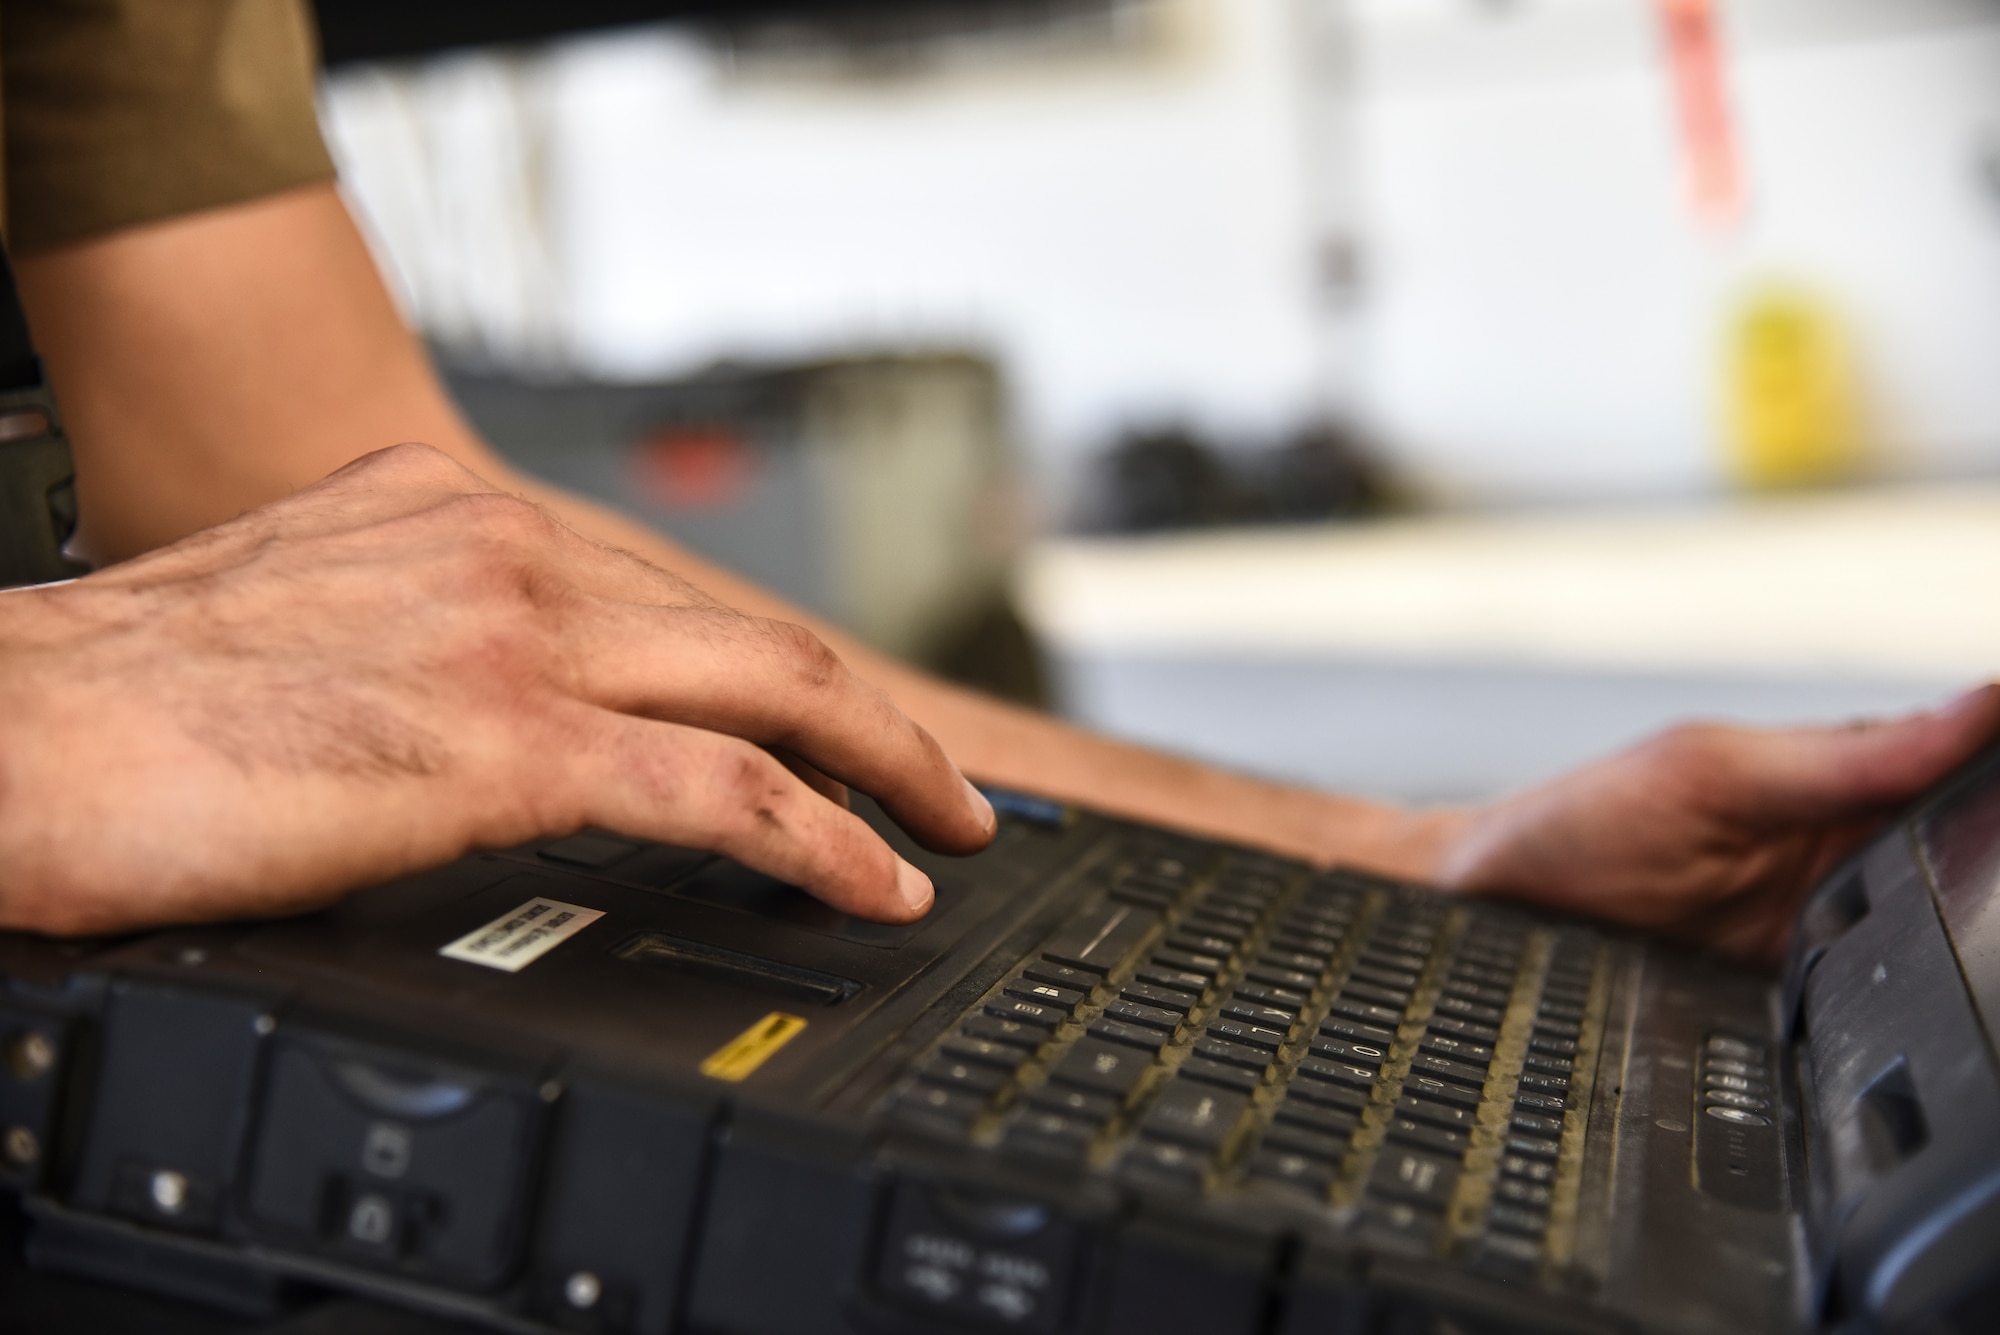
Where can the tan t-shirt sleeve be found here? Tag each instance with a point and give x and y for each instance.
(118, 112)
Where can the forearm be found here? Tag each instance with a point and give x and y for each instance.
(211, 364)
(1021, 748)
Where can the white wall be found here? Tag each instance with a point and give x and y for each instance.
(1539, 316)
(1126, 232)
(1544, 313)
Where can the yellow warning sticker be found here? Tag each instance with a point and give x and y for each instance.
(741, 1055)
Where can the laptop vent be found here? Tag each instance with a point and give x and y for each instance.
(1890, 1120)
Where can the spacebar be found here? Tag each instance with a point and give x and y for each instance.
(1098, 939)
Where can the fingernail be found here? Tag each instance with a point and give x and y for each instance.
(915, 888)
(981, 808)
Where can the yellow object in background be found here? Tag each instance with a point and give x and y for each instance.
(1794, 416)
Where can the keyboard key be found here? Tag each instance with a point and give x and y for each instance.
(1517, 1219)
(1348, 1051)
(1264, 1017)
(1553, 1044)
(1062, 999)
(1144, 893)
(1160, 1162)
(1025, 1012)
(1398, 997)
(1172, 866)
(1462, 1028)
(1462, 1073)
(1381, 977)
(1396, 960)
(1270, 1040)
(1447, 1115)
(1337, 1072)
(966, 1077)
(1478, 993)
(1049, 1135)
(1423, 1136)
(1210, 1072)
(936, 1109)
(1530, 1101)
(1535, 1124)
(1283, 998)
(1518, 1191)
(1226, 930)
(1442, 1091)
(1079, 1103)
(1166, 998)
(1367, 1012)
(1198, 943)
(1340, 1026)
(1099, 939)
(1506, 1256)
(1234, 1054)
(1532, 1147)
(1291, 1169)
(1154, 1017)
(1193, 1114)
(1143, 1037)
(1225, 910)
(1542, 1061)
(1295, 959)
(1413, 1177)
(1543, 1083)
(1458, 1049)
(1534, 1170)
(1179, 980)
(1006, 1056)
(1189, 961)
(1299, 1110)
(1402, 1227)
(1405, 947)
(1558, 1010)
(1326, 1094)
(1320, 948)
(1323, 1134)
(1107, 1068)
(1501, 980)
(1062, 975)
(1294, 980)
(1448, 1004)
(996, 1030)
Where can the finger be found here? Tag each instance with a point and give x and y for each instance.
(1825, 774)
(699, 789)
(780, 686)
(833, 790)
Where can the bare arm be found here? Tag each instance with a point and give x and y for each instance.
(211, 364)
(214, 363)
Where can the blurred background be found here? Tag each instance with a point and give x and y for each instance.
(1414, 397)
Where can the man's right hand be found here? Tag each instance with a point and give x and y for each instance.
(400, 664)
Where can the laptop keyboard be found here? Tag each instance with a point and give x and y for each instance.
(1237, 1024)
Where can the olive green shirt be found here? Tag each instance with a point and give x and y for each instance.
(121, 112)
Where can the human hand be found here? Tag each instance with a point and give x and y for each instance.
(1707, 833)
(399, 664)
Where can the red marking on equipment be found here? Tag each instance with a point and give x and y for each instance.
(1708, 138)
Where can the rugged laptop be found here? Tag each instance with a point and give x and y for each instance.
(1119, 1080)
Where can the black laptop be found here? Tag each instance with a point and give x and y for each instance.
(1118, 1081)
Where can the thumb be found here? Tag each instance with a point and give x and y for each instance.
(1819, 774)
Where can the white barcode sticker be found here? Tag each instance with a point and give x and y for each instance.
(516, 940)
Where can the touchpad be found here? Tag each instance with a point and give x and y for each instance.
(731, 886)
